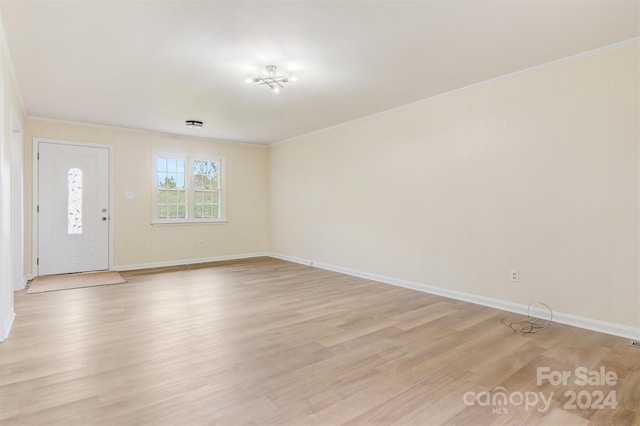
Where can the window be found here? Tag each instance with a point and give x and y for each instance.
(206, 189)
(172, 190)
(188, 188)
(74, 201)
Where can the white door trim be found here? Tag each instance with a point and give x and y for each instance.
(35, 233)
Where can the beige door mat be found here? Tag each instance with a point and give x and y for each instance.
(69, 281)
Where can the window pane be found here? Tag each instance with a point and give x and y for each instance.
(180, 181)
(214, 172)
(215, 183)
(197, 181)
(216, 197)
(161, 164)
(162, 212)
(162, 179)
(216, 211)
(171, 165)
(172, 204)
(181, 198)
(198, 212)
(172, 181)
(198, 197)
(205, 174)
(180, 166)
(74, 201)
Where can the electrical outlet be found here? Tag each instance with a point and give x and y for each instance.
(309, 244)
(199, 243)
(515, 275)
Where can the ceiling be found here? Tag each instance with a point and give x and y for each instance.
(152, 65)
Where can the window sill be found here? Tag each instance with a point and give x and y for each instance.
(188, 222)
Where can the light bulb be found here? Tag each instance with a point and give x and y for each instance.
(293, 78)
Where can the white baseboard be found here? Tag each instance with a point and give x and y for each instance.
(187, 261)
(568, 319)
(7, 327)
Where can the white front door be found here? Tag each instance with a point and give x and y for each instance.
(73, 203)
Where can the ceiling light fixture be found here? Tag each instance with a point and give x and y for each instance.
(194, 124)
(271, 78)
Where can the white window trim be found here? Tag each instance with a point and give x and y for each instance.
(189, 158)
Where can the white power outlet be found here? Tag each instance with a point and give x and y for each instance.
(515, 275)
(199, 243)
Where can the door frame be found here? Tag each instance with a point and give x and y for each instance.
(36, 196)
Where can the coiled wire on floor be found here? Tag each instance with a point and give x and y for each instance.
(529, 324)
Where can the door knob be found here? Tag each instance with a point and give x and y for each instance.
(104, 219)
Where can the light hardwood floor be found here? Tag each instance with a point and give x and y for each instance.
(264, 341)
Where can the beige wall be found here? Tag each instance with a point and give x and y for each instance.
(138, 242)
(537, 172)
